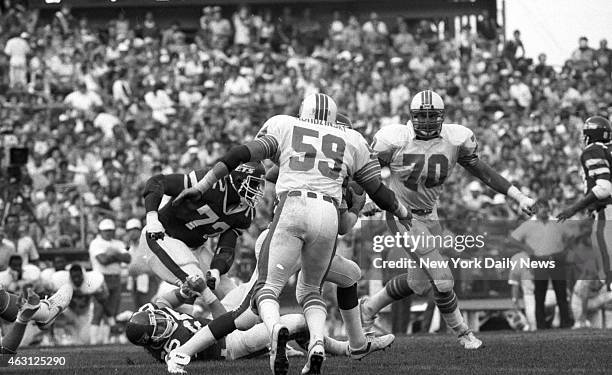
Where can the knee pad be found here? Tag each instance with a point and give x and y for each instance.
(443, 286)
(347, 297)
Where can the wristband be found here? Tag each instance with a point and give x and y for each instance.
(207, 182)
(152, 216)
(400, 211)
(208, 297)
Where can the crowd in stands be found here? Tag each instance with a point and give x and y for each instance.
(101, 109)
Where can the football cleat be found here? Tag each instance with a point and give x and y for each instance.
(367, 321)
(279, 364)
(469, 341)
(373, 344)
(57, 304)
(176, 362)
(316, 356)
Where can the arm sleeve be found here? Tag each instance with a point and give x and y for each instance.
(158, 185)
(224, 256)
(468, 150)
(487, 175)
(597, 168)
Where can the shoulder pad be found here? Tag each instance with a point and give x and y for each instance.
(455, 134)
(392, 136)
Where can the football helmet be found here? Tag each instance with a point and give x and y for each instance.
(318, 108)
(149, 326)
(342, 119)
(249, 180)
(427, 113)
(596, 129)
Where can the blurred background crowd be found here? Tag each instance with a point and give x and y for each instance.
(101, 109)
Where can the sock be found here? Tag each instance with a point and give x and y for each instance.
(336, 347)
(348, 303)
(10, 342)
(447, 304)
(315, 319)
(269, 313)
(396, 289)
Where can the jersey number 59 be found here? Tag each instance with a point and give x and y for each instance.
(437, 170)
(331, 146)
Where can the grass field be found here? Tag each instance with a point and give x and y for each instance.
(552, 352)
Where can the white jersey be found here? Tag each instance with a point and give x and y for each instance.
(420, 167)
(317, 157)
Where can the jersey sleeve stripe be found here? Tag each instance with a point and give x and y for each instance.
(592, 162)
(369, 172)
(269, 145)
(599, 171)
(193, 178)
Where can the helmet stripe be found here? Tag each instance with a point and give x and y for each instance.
(325, 107)
(422, 98)
(430, 99)
(317, 106)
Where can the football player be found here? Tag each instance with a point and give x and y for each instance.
(596, 160)
(159, 328)
(171, 235)
(30, 308)
(315, 155)
(342, 272)
(420, 156)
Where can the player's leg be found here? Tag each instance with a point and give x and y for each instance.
(255, 340)
(602, 240)
(317, 254)
(224, 285)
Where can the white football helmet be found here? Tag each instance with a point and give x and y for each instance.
(319, 108)
(427, 112)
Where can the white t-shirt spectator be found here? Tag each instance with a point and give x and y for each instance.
(122, 92)
(242, 33)
(520, 92)
(17, 48)
(398, 96)
(238, 86)
(83, 101)
(101, 246)
(106, 122)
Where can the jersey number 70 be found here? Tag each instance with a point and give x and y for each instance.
(331, 146)
(437, 170)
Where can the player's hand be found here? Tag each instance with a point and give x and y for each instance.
(212, 277)
(155, 229)
(567, 213)
(193, 286)
(191, 194)
(357, 197)
(370, 209)
(527, 205)
(404, 216)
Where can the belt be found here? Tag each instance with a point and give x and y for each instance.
(421, 212)
(312, 194)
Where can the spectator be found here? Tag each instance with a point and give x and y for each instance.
(144, 284)
(106, 255)
(514, 49)
(603, 56)
(23, 243)
(160, 103)
(545, 240)
(584, 56)
(243, 24)
(375, 35)
(17, 48)
(521, 282)
(82, 99)
(18, 276)
(7, 249)
(308, 31)
(220, 29)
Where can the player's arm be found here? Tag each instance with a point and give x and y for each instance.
(598, 169)
(259, 149)
(355, 201)
(224, 257)
(368, 177)
(481, 170)
(155, 189)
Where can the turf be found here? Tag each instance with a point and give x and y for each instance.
(550, 352)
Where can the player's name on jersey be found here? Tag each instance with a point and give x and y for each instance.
(463, 263)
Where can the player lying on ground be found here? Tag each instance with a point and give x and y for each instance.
(315, 154)
(420, 156)
(170, 240)
(159, 328)
(342, 272)
(29, 308)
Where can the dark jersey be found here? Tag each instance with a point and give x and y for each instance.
(219, 210)
(187, 326)
(596, 160)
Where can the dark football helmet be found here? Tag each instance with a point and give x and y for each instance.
(149, 326)
(596, 129)
(343, 119)
(427, 113)
(248, 180)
